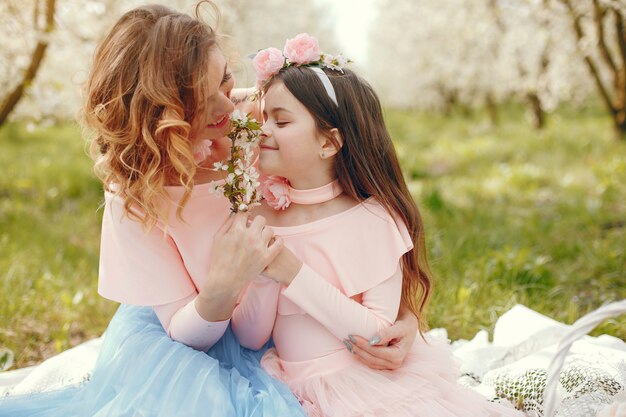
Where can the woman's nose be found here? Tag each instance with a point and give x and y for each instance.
(227, 106)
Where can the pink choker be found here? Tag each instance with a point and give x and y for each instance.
(279, 194)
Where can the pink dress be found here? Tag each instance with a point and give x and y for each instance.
(350, 283)
(165, 266)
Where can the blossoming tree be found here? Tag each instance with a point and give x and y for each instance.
(53, 92)
(475, 53)
(43, 24)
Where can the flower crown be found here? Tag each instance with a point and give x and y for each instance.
(302, 51)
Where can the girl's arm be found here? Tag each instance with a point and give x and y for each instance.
(253, 318)
(340, 314)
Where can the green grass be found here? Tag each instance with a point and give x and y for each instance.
(518, 216)
(49, 242)
(512, 216)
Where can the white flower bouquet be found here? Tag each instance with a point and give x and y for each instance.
(242, 179)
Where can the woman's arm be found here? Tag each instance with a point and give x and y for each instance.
(240, 252)
(200, 320)
(182, 323)
(146, 268)
(389, 347)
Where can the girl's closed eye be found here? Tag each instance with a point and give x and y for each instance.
(282, 123)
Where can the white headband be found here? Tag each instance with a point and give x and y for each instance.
(327, 84)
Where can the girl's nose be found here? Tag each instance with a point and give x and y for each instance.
(265, 132)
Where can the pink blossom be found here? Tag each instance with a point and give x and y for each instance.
(303, 49)
(202, 150)
(276, 192)
(267, 63)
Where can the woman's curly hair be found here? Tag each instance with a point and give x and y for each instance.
(143, 91)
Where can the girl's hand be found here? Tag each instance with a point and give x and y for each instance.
(241, 250)
(387, 350)
(284, 267)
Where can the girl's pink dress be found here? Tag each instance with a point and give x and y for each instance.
(350, 285)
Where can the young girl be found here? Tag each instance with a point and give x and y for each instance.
(340, 203)
(158, 90)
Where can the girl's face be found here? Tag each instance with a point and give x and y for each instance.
(212, 117)
(290, 141)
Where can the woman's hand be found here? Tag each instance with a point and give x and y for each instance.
(284, 267)
(387, 350)
(241, 250)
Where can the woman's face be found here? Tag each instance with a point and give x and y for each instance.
(212, 117)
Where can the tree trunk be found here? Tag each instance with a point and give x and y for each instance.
(9, 102)
(492, 109)
(537, 112)
(619, 124)
(611, 60)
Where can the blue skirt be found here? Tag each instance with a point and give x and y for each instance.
(140, 371)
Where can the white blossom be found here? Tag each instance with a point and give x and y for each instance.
(242, 179)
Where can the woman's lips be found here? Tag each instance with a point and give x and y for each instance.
(267, 148)
(221, 123)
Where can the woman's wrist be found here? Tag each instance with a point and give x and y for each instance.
(216, 304)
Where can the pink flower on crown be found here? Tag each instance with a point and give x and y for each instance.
(303, 49)
(276, 192)
(267, 63)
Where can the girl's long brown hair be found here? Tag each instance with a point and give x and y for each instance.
(367, 165)
(146, 84)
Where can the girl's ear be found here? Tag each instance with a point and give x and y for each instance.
(331, 143)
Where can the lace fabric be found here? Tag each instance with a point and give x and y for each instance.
(587, 383)
(516, 366)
